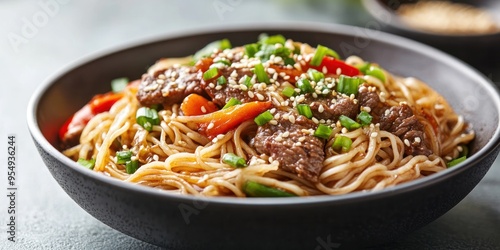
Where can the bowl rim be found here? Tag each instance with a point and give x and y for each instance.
(294, 26)
(375, 8)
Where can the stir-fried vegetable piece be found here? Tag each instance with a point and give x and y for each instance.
(372, 70)
(119, 84)
(131, 166)
(123, 156)
(147, 118)
(348, 85)
(323, 131)
(315, 75)
(221, 80)
(255, 189)
(305, 110)
(321, 52)
(234, 160)
(349, 123)
(209, 48)
(263, 118)
(305, 86)
(233, 101)
(456, 161)
(342, 143)
(332, 65)
(261, 73)
(365, 118)
(224, 120)
(87, 163)
(288, 91)
(210, 73)
(195, 104)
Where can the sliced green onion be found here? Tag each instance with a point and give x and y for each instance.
(233, 101)
(456, 161)
(221, 80)
(251, 49)
(211, 47)
(247, 81)
(261, 73)
(87, 163)
(315, 75)
(263, 118)
(365, 118)
(305, 86)
(342, 144)
(322, 51)
(255, 189)
(288, 91)
(305, 110)
(123, 156)
(210, 73)
(234, 160)
(323, 131)
(465, 150)
(363, 67)
(119, 84)
(272, 39)
(131, 166)
(348, 85)
(376, 72)
(223, 61)
(289, 61)
(348, 123)
(147, 118)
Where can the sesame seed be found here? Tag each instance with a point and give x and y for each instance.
(259, 96)
(322, 121)
(203, 109)
(300, 99)
(271, 70)
(448, 158)
(407, 143)
(285, 134)
(315, 120)
(338, 71)
(297, 144)
(211, 125)
(387, 112)
(302, 138)
(291, 118)
(272, 110)
(278, 138)
(418, 140)
(344, 130)
(277, 116)
(459, 148)
(220, 137)
(273, 122)
(243, 87)
(234, 74)
(321, 109)
(286, 77)
(374, 134)
(218, 87)
(211, 85)
(251, 94)
(324, 70)
(314, 95)
(367, 109)
(156, 157)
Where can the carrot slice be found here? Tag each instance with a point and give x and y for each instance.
(195, 104)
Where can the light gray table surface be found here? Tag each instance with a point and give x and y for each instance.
(39, 37)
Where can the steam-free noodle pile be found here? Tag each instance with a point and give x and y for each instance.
(402, 130)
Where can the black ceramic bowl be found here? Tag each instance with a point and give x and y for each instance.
(477, 49)
(186, 222)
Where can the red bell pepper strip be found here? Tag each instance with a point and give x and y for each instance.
(224, 120)
(333, 64)
(195, 104)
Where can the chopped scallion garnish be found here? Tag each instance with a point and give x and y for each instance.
(315, 75)
(233, 101)
(348, 123)
(119, 84)
(147, 118)
(376, 72)
(247, 81)
(251, 49)
(87, 163)
(288, 91)
(223, 61)
(365, 118)
(123, 156)
(210, 73)
(305, 110)
(263, 118)
(305, 86)
(289, 61)
(322, 51)
(221, 80)
(342, 143)
(272, 39)
(255, 189)
(261, 73)
(456, 161)
(234, 160)
(131, 166)
(323, 131)
(348, 85)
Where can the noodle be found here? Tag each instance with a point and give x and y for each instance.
(179, 157)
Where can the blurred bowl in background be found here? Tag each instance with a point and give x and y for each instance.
(478, 49)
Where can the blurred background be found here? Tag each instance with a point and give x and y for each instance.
(39, 37)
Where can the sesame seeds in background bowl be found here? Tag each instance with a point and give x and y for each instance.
(469, 30)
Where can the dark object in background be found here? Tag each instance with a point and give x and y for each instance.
(346, 221)
(480, 50)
